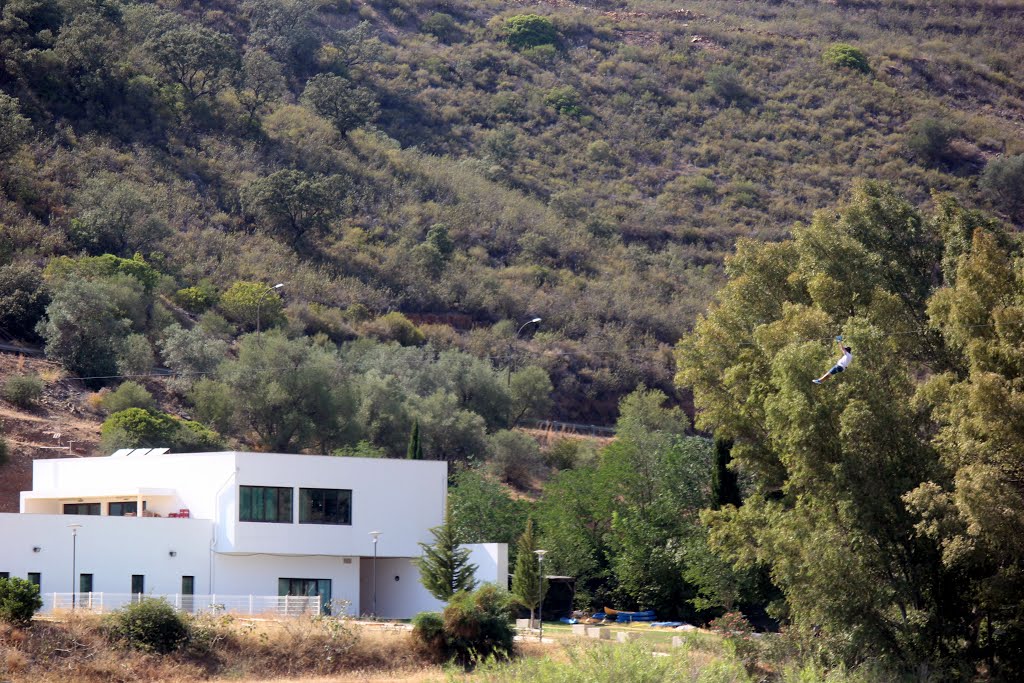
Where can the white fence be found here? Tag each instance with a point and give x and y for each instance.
(252, 605)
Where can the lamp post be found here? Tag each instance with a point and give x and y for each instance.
(540, 593)
(376, 537)
(259, 302)
(74, 557)
(535, 321)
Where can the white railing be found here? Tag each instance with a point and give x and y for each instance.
(252, 605)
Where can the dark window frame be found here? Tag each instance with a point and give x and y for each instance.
(253, 500)
(82, 583)
(142, 584)
(77, 507)
(36, 578)
(316, 508)
(122, 504)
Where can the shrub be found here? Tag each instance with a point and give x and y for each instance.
(151, 624)
(245, 302)
(196, 299)
(19, 600)
(841, 55)
(529, 30)
(440, 25)
(478, 624)
(1003, 179)
(929, 140)
(475, 626)
(565, 100)
(23, 391)
(514, 457)
(3, 449)
(128, 395)
(725, 82)
(395, 327)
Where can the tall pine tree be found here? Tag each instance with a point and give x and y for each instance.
(527, 588)
(445, 568)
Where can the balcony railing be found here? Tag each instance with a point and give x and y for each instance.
(251, 605)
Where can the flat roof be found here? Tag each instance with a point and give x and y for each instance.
(98, 492)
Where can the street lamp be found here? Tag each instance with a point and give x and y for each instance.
(74, 557)
(532, 321)
(259, 302)
(376, 537)
(540, 593)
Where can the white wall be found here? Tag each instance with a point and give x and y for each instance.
(258, 575)
(401, 498)
(406, 597)
(109, 548)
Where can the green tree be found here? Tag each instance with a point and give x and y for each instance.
(261, 82)
(340, 101)
(116, 216)
(829, 469)
(294, 205)
(14, 127)
(484, 511)
(725, 487)
(929, 138)
(85, 324)
(529, 30)
(291, 394)
(191, 354)
(530, 392)
(528, 586)
(415, 450)
(445, 568)
(197, 58)
(514, 458)
(23, 299)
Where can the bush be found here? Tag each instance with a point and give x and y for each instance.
(475, 625)
(19, 600)
(565, 100)
(197, 299)
(529, 30)
(244, 302)
(3, 449)
(128, 395)
(135, 356)
(929, 140)
(23, 391)
(151, 624)
(1003, 179)
(515, 458)
(395, 327)
(841, 55)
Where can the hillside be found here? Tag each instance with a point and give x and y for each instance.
(472, 168)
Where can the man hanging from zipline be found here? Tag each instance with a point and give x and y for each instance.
(841, 364)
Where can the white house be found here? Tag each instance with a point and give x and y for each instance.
(235, 523)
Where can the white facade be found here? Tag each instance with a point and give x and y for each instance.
(216, 545)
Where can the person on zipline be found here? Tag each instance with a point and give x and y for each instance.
(840, 365)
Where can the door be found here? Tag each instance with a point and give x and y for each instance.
(188, 589)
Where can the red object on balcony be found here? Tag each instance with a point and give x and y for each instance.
(172, 514)
(184, 512)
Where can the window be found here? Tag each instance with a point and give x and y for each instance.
(188, 585)
(325, 506)
(36, 578)
(138, 584)
(309, 588)
(265, 504)
(81, 508)
(122, 509)
(5, 575)
(85, 583)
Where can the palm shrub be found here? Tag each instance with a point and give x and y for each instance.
(151, 624)
(476, 625)
(19, 600)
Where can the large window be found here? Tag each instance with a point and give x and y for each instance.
(309, 588)
(36, 578)
(325, 506)
(85, 583)
(122, 509)
(265, 504)
(138, 584)
(81, 508)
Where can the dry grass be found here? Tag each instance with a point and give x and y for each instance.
(77, 650)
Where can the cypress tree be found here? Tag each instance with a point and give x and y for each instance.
(415, 449)
(526, 581)
(444, 567)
